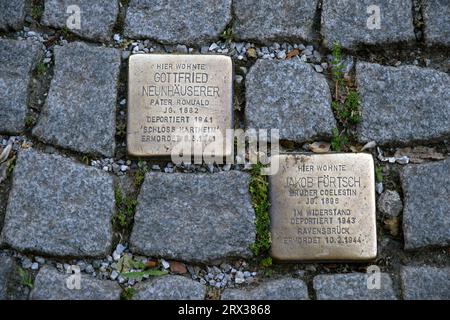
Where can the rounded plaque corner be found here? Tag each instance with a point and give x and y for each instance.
(367, 156)
(131, 151)
(277, 256)
(133, 58)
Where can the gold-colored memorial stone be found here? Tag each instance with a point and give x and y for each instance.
(323, 208)
(177, 99)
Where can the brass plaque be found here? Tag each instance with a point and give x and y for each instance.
(323, 208)
(177, 99)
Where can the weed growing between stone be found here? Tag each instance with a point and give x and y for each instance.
(140, 174)
(259, 191)
(25, 278)
(127, 293)
(125, 209)
(345, 103)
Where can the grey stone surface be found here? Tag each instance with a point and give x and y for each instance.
(346, 22)
(425, 283)
(58, 207)
(436, 14)
(12, 14)
(17, 61)
(52, 285)
(352, 286)
(291, 97)
(390, 204)
(402, 105)
(98, 17)
(426, 218)
(80, 111)
(194, 217)
(170, 288)
(280, 289)
(7, 267)
(266, 20)
(177, 21)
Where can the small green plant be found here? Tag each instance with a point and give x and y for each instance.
(127, 293)
(11, 169)
(36, 11)
(41, 68)
(85, 159)
(378, 174)
(121, 130)
(351, 107)
(266, 262)
(140, 174)
(29, 121)
(348, 112)
(336, 63)
(259, 192)
(227, 35)
(338, 141)
(65, 32)
(125, 208)
(25, 278)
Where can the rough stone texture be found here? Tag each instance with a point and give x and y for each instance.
(15, 74)
(426, 218)
(7, 267)
(51, 285)
(291, 97)
(436, 14)
(98, 17)
(352, 286)
(346, 22)
(12, 14)
(58, 207)
(425, 283)
(177, 21)
(281, 289)
(404, 104)
(80, 110)
(390, 204)
(267, 20)
(200, 218)
(170, 288)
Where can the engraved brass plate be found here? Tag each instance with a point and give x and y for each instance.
(323, 208)
(176, 100)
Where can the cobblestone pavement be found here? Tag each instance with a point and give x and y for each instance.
(74, 207)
